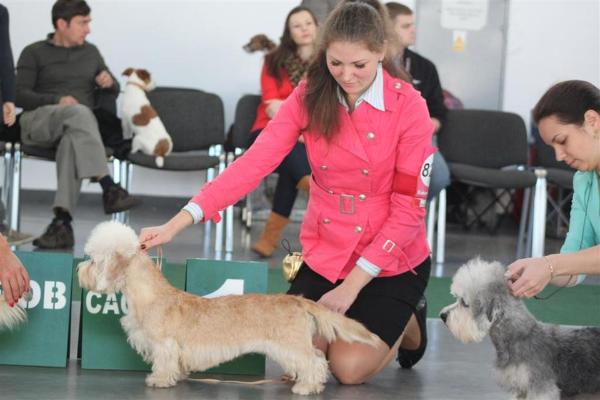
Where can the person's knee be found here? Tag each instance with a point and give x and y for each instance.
(78, 112)
(349, 370)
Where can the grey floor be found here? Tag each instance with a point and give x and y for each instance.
(449, 370)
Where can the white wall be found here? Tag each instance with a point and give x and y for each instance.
(549, 41)
(197, 43)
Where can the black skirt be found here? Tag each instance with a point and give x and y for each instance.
(384, 305)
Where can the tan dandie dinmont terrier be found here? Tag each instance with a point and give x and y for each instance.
(534, 361)
(178, 332)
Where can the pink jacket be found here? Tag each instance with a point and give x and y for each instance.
(369, 185)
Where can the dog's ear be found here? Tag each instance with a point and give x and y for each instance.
(490, 309)
(128, 71)
(143, 74)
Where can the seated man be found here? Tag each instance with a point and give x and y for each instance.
(57, 80)
(426, 80)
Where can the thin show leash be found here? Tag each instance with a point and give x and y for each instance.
(284, 379)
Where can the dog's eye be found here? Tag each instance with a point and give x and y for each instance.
(463, 303)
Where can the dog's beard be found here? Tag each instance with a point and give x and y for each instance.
(461, 324)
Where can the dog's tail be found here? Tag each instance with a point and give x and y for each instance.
(332, 326)
(10, 317)
(162, 148)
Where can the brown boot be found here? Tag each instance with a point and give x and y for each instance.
(304, 183)
(265, 246)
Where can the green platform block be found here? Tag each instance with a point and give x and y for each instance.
(44, 340)
(214, 278)
(104, 343)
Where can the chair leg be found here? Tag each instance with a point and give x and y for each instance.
(524, 236)
(127, 174)
(229, 219)
(441, 228)
(7, 186)
(431, 221)
(219, 228)
(539, 215)
(15, 205)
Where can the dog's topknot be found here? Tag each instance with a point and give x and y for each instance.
(112, 237)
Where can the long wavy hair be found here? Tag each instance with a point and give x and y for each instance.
(355, 21)
(287, 47)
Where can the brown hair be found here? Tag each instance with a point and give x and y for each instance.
(568, 101)
(275, 59)
(67, 9)
(395, 9)
(356, 21)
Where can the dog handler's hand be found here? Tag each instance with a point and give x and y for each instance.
(157, 235)
(13, 276)
(528, 276)
(339, 299)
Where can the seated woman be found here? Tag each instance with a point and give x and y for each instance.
(284, 67)
(568, 117)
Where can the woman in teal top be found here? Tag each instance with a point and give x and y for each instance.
(568, 117)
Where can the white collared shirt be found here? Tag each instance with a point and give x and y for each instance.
(373, 95)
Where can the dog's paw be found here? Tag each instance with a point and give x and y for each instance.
(307, 388)
(160, 381)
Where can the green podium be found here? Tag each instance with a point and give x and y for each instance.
(43, 340)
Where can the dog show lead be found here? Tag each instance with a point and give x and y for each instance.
(568, 117)
(368, 136)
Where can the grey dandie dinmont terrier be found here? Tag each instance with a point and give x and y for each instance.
(178, 332)
(534, 361)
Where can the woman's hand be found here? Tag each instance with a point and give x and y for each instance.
(528, 276)
(272, 107)
(339, 299)
(13, 277)
(157, 235)
(9, 113)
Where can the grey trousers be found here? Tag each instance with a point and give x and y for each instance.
(73, 131)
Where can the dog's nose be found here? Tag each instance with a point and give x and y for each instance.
(444, 316)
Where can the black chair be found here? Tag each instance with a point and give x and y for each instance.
(486, 150)
(196, 123)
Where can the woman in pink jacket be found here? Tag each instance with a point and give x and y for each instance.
(368, 138)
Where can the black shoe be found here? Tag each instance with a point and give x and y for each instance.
(116, 199)
(58, 235)
(408, 358)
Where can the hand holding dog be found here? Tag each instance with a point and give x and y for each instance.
(528, 276)
(13, 276)
(339, 299)
(156, 235)
(104, 80)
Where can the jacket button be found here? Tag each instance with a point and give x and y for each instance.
(397, 85)
(362, 197)
(326, 220)
(323, 167)
(370, 136)
(365, 172)
(358, 229)
(330, 191)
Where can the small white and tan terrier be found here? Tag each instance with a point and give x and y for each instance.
(10, 317)
(178, 332)
(140, 120)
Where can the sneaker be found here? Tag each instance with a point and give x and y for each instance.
(58, 235)
(16, 238)
(408, 358)
(116, 199)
